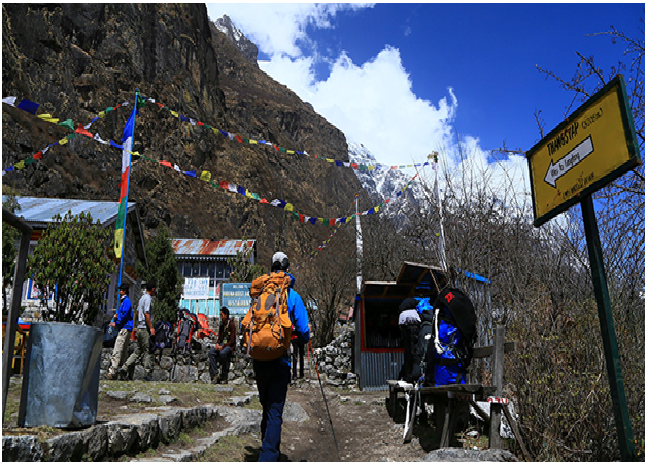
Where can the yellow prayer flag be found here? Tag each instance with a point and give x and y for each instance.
(251, 141)
(376, 209)
(291, 152)
(63, 141)
(215, 130)
(174, 113)
(329, 160)
(288, 207)
(206, 176)
(117, 244)
(20, 165)
(102, 114)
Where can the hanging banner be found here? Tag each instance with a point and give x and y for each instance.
(196, 288)
(236, 297)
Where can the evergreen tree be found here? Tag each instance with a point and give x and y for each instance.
(9, 252)
(242, 269)
(163, 270)
(70, 262)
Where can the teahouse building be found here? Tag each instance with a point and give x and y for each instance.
(204, 265)
(39, 212)
(378, 349)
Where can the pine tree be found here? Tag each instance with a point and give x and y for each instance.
(163, 270)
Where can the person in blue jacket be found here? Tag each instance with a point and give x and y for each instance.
(273, 377)
(122, 323)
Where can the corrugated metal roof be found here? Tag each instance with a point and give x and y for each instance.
(40, 211)
(205, 247)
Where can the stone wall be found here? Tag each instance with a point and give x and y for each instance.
(335, 360)
(334, 363)
(182, 367)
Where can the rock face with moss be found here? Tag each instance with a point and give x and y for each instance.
(78, 60)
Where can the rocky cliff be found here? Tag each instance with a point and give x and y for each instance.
(77, 60)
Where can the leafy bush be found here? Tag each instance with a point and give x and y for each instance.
(70, 265)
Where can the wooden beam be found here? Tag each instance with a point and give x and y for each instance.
(486, 351)
(16, 296)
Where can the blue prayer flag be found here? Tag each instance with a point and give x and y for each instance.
(28, 105)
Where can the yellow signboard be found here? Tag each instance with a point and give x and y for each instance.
(594, 146)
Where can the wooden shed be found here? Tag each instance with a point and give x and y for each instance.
(378, 352)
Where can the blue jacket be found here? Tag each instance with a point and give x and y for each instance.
(124, 315)
(299, 318)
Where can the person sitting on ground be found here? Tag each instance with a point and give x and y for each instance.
(222, 352)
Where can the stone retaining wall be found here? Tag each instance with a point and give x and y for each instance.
(334, 363)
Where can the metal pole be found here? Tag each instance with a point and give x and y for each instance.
(359, 236)
(126, 209)
(443, 257)
(610, 345)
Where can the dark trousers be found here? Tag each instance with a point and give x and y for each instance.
(273, 379)
(220, 357)
(298, 354)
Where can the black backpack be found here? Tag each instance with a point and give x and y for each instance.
(461, 314)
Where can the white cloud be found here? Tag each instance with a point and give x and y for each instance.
(373, 102)
(280, 28)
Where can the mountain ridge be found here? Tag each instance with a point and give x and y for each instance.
(75, 60)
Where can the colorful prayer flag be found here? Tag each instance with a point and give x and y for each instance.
(127, 145)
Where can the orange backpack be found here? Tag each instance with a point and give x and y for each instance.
(267, 326)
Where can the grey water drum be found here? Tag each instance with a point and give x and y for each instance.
(61, 379)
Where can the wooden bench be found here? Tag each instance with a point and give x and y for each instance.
(447, 399)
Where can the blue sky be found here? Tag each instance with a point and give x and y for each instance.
(406, 79)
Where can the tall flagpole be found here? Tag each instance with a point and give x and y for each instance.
(127, 148)
(359, 237)
(441, 242)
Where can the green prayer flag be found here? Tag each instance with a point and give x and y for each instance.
(109, 109)
(29, 161)
(69, 123)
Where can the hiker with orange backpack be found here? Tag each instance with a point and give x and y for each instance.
(275, 307)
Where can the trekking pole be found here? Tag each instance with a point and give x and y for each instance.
(325, 399)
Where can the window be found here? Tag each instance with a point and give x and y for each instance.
(212, 269)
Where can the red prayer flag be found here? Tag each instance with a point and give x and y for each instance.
(332, 222)
(223, 184)
(199, 123)
(166, 163)
(38, 155)
(239, 139)
(82, 131)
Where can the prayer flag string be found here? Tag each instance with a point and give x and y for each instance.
(205, 176)
(243, 140)
(32, 107)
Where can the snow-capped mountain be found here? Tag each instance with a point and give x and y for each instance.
(248, 48)
(385, 183)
